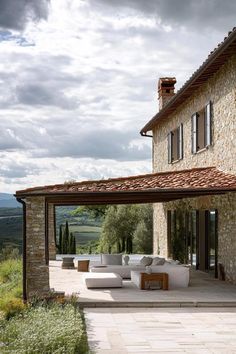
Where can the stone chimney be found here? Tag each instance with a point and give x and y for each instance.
(166, 90)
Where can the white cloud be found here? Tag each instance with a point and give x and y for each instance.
(75, 90)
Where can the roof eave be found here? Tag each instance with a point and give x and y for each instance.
(196, 76)
(106, 193)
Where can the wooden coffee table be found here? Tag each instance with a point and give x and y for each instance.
(160, 277)
(83, 265)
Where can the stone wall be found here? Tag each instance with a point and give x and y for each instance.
(221, 90)
(226, 206)
(51, 232)
(37, 272)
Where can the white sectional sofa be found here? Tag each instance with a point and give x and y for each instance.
(123, 270)
(178, 274)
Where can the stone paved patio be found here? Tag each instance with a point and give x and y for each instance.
(203, 291)
(156, 330)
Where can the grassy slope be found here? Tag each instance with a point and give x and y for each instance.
(11, 227)
(10, 285)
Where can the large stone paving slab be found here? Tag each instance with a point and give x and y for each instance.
(146, 330)
(203, 289)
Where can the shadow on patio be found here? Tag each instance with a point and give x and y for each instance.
(203, 291)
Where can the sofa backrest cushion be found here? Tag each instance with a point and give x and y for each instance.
(171, 261)
(146, 261)
(111, 259)
(158, 261)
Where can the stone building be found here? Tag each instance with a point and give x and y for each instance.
(196, 127)
(193, 184)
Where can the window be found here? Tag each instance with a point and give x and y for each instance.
(175, 144)
(201, 128)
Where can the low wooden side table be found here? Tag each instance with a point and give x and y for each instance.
(161, 277)
(68, 263)
(83, 265)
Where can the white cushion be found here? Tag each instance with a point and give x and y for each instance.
(123, 271)
(158, 261)
(111, 259)
(172, 261)
(102, 280)
(146, 261)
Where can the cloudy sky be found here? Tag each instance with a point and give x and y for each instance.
(78, 81)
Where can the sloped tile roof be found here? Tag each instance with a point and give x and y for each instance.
(208, 178)
(209, 67)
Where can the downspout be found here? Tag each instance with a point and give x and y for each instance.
(142, 133)
(46, 233)
(24, 248)
(145, 134)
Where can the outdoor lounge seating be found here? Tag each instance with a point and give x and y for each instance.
(178, 274)
(102, 280)
(123, 270)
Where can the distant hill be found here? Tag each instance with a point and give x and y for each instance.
(86, 229)
(8, 201)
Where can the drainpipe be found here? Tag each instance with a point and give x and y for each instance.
(145, 134)
(149, 136)
(24, 248)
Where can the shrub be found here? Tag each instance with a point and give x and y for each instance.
(9, 252)
(10, 270)
(10, 287)
(12, 307)
(45, 329)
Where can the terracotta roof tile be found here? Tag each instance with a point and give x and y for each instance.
(197, 178)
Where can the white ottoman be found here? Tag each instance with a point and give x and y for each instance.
(102, 280)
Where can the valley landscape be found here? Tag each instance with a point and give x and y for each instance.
(86, 229)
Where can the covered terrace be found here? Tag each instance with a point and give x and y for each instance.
(39, 232)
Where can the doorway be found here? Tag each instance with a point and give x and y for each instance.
(192, 238)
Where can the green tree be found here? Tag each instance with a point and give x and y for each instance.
(94, 211)
(118, 227)
(71, 243)
(66, 234)
(74, 245)
(60, 239)
(143, 235)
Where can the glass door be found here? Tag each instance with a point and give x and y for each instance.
(192, 244)
(192, 238)
(212, 241)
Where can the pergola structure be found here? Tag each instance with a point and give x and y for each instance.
(39, 231)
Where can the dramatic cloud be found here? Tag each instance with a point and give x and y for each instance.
(14, 14)
(189, 13)
(75, 90)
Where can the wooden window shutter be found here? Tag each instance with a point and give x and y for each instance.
(194, 133)
(180, 141)
(170, 147)
(208, 124)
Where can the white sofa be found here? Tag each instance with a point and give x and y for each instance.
(111, 259)
(178, 274)
(123, 270)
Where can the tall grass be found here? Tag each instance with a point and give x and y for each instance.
(45, 329)
(40, 327)
(11, 286)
